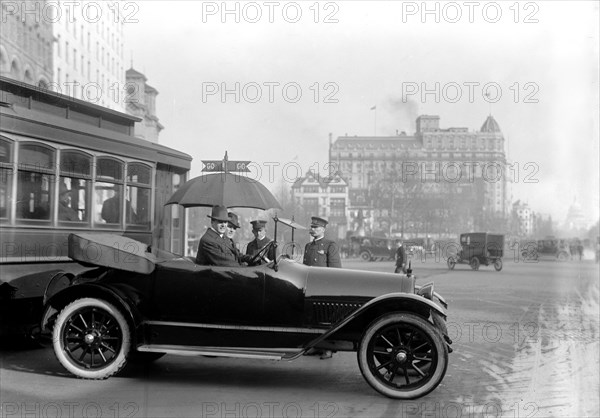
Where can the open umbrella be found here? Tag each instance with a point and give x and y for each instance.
(227, 189)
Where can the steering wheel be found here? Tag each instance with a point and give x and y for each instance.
(261, 254)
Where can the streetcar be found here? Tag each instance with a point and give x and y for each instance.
(69, 166)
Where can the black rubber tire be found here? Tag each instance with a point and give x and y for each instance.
(423, 348)
(474, 263)
(498, 264)
(82, 330)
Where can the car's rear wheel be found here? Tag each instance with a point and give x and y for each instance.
(474, 263)
(451, 263)
(91, 338)
(402, 356)
(563, 256)
(498, 264)
(365, 255)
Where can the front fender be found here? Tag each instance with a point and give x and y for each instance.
(353, 326)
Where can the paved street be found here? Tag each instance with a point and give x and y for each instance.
(525, 345)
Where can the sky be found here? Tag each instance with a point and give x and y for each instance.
(269, 82)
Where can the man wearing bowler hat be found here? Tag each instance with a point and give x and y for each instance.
(259, 229)
(214, 248)
(232, 226)
(321, 252)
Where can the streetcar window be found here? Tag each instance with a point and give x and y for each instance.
(6, 159)
(109, 168)
(35, 181)
(138, 173)
(107, 203)
(33, 197)
(75, 163)
(36, 156)
(73, 200)
(5, 151)
(139, 209)
(74, 186)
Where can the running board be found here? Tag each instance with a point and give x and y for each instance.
(253, 353)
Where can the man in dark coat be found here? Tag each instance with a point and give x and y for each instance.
(259, 229)
(321, 252)
(232, 226)
(400, 258)
(214, 248)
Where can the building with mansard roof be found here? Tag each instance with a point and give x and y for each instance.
(323, 196)
(436, 181)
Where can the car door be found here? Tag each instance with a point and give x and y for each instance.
(200, 305)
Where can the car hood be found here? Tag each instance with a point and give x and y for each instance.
(323, 281)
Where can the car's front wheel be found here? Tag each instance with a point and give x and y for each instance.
(402, 356)
(91, 338)
(365, 255)
(474, 263)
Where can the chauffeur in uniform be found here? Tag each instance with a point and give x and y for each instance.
(259, 229)
(214, 248)
(321, 252)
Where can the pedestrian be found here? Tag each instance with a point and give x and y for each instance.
(320, 251)
(580, 250)
(400, 258)
(214, 248)
(259, 229)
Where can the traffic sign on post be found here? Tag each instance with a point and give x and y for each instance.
(225, 165)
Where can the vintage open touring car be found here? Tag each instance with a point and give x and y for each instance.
(140, 303)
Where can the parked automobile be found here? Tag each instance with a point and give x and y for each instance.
(548, 248)
(374, 248)
(477, 248)
(139, 304)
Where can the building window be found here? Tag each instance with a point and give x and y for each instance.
(310, 189)
(311, 205)
(338, 207)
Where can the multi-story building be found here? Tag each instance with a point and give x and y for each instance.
(437, 181)
(326, 197)
(74, 48)
(523, 219)
(26, 42)
(88, 52)
(141, 102)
